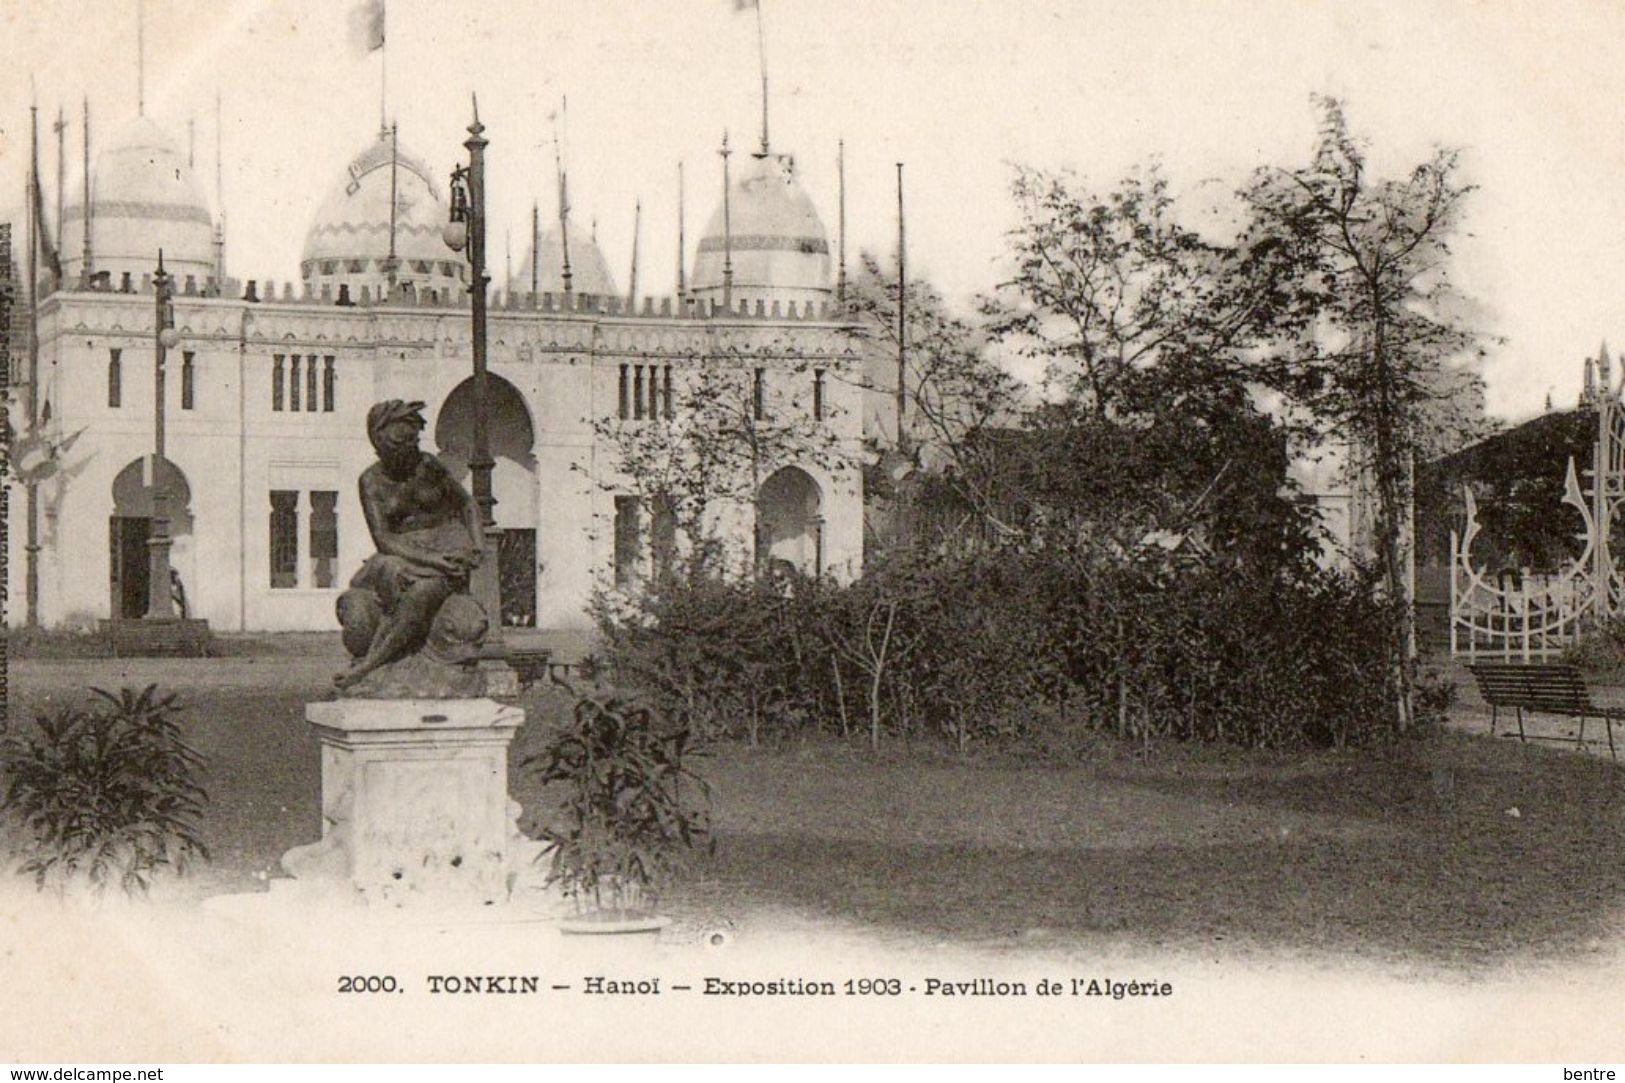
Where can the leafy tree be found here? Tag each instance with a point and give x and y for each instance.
(698, 466)
(1109, 285)
(1369, 331)
(954, 392)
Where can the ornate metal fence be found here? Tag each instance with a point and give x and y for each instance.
(1515, 614)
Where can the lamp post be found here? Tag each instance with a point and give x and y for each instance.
(467, 229)
(160, 602)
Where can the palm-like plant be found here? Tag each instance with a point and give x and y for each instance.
(107, 795)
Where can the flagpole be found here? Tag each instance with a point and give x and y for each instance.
(761, 51)
(535, 247)
(61, 184)
(840, 277)
(141, 58)
(727, 231)
(564, 193)
(383, 64)
(31, 399)
(86, 271)
(902, 312)
(637, 225)
(682, 246)
(391, 264)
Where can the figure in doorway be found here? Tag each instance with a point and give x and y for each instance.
(177, 593)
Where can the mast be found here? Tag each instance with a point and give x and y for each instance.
(61, 128)
(637, 224)
(391, 264)
(85, 269)
(31, 397)
(727, 231)
(840, 276)
(902, 312)
(535, 247)
(564, 193)
(682, 245)
(761, 51)
(140, 58)
(219, 202)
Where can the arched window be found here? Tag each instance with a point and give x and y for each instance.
(115, 377)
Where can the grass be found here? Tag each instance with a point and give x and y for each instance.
(1407, 856)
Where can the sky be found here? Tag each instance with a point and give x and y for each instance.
(958, 90)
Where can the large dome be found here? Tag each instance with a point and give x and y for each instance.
(589, 271)
(779, 248)
(348, 242)
(143, 197)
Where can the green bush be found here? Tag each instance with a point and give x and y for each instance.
(105, 796)
(631, 808)
(983, 648)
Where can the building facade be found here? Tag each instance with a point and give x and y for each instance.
(267, 390)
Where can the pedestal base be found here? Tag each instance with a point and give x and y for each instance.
(415, 806)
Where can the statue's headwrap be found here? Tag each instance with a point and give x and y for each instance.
(386, 413)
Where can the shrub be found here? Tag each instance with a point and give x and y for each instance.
(107, 795)
(631, 808)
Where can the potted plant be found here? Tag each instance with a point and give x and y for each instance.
(631, 810)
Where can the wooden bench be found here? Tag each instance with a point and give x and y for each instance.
(1547, 688)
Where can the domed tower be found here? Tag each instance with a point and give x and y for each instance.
(589, 271)
(770, 229)
(348, 242)
(143, 197)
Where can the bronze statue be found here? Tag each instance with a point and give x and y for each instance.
(409, 621)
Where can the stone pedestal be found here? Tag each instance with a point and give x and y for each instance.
(415, 803)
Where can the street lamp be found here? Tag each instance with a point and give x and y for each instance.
(160, 601)
(466, 229)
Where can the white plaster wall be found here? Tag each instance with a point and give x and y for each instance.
(234, 449)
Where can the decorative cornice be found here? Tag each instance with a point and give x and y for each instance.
(760, 242)
(164, 212)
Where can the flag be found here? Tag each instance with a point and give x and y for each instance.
(367, 26)
(746, 5)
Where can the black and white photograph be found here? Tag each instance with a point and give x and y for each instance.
(804, 531)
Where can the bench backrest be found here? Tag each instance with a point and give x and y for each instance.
(1556, 688)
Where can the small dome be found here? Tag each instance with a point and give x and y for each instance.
(589, 271)
(780, 251)
(348, 241)
(143, 197)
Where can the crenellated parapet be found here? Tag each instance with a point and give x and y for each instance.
(266, 314)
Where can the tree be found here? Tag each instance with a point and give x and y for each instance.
(1107, 286)
(954, 393)
(1369, 333)
(706, 450)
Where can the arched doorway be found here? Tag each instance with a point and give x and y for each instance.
(513, 483)
(789, 521)
(129, 562)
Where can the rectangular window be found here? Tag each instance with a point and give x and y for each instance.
(626, 404)
(310, 383)
(628, 540)
(667, 391)
(758, 395)
(818, 394)
(284, 539)
(330, 380)
(188, 367)
(324, 538)
(293, 382)
(663, 536)
(115, 378)
(276, 382)
(637, 393)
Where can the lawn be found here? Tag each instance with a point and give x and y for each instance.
(1461, 851)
